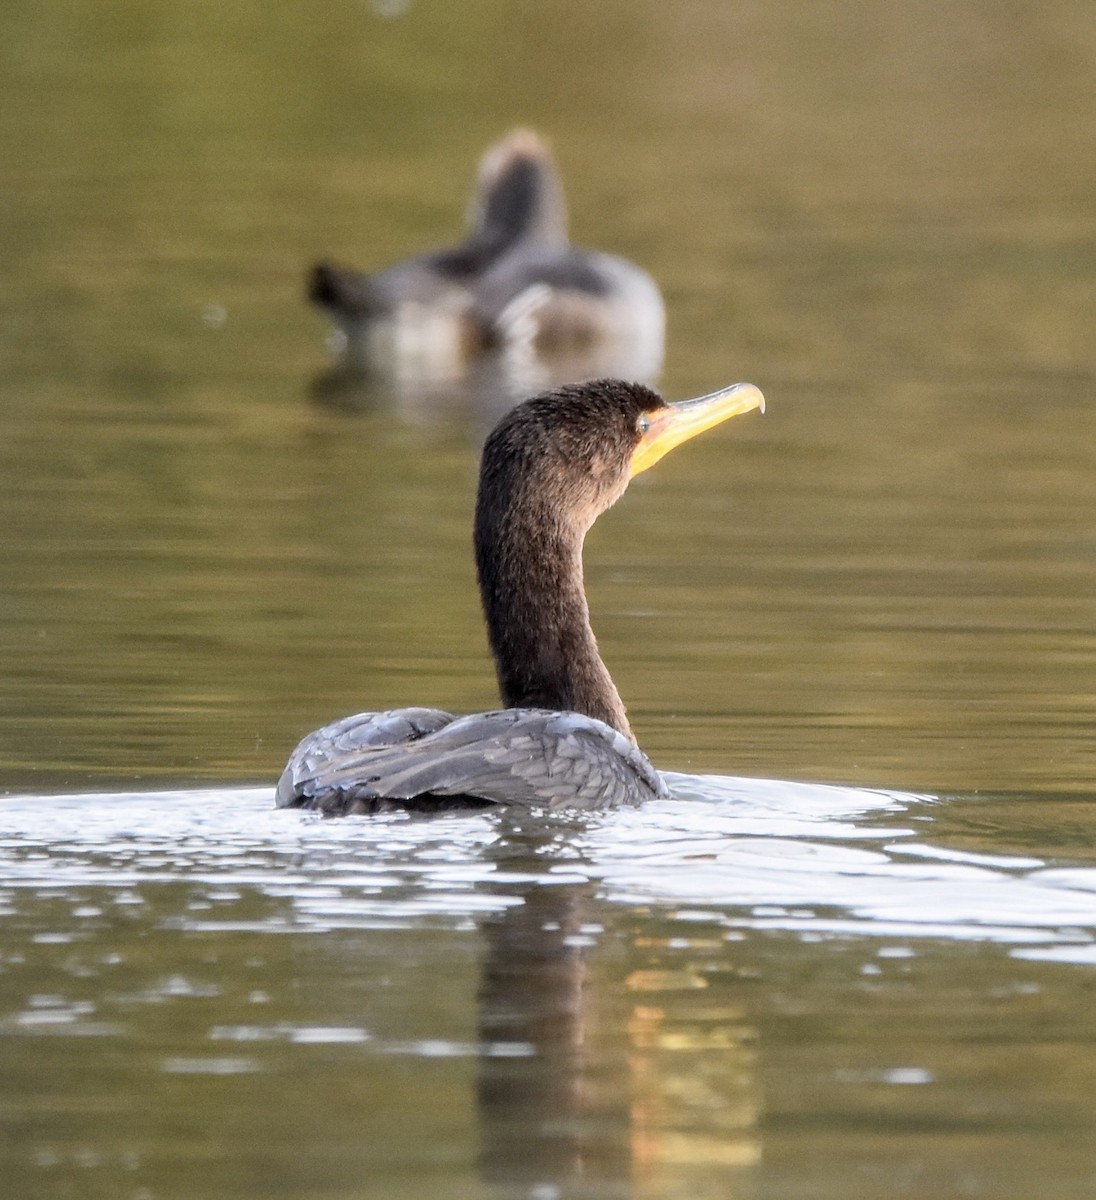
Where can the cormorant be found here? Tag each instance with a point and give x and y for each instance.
(550, 467)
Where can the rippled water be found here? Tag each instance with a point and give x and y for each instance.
(883, 216)
(719, 841)
(751, 974)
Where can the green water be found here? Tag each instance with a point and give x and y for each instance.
(881, 215)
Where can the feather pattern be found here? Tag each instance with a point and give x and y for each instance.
(549, 468)
(521, 757)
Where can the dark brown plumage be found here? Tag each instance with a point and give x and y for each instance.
(549, 469)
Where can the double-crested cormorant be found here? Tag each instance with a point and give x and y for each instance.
(514, 285)
(549, 469)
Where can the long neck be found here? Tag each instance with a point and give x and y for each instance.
(521, 198)
(529, 561)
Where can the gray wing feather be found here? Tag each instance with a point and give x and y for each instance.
(514, 757)
(316, 754)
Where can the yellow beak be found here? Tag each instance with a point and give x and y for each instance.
(676, 423)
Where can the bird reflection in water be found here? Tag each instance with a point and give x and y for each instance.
(513, 309)
(636, 1087)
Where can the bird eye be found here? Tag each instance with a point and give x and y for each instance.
(643, 425)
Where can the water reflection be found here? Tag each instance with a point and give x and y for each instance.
(556, 1049)
(588, 1006)
(882, 211)
(545, 1124)
(483, 388)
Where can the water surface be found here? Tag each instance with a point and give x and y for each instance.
(692, 999)
(883, 216)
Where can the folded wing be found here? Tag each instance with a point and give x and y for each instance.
(425, 759)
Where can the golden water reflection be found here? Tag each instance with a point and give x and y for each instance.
(582, 1084)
